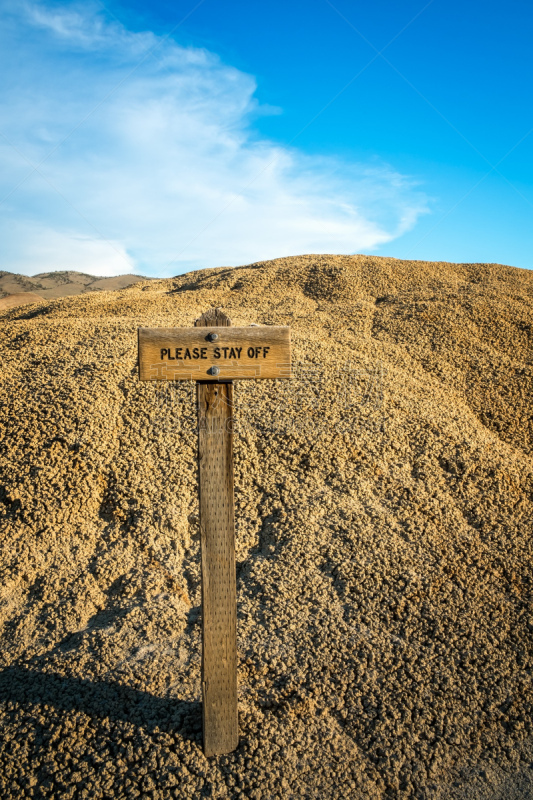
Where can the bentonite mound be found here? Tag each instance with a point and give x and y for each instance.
(384, 501)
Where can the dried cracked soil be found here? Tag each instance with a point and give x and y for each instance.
(384, 506)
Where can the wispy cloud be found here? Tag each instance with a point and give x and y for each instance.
(166, 172)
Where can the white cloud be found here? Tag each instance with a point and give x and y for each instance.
(148, 159)
(64, 250)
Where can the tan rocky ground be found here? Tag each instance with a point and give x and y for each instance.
(384, 513)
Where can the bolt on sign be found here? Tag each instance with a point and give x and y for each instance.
(214, 354)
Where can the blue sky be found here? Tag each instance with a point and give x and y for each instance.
(163, 137)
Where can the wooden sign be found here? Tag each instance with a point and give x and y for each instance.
(214, 353)
(184, 354)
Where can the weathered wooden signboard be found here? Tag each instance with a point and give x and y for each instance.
(184, 354)
(214, 354)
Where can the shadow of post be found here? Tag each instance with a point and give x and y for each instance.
(104, 699)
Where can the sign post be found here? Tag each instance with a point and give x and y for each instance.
(214, 353)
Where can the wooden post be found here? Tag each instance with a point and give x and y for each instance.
(217, 534)
(214, 358)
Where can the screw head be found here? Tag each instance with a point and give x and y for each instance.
(213, 371)
(212, 337)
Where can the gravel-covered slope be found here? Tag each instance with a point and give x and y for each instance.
(384, 501)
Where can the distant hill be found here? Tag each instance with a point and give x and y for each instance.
(49, 285)
(19, 299)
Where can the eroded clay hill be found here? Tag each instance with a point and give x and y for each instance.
(384, 505)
